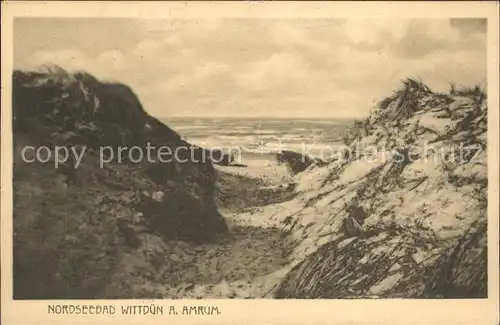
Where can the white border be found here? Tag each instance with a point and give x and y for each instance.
(262, 312)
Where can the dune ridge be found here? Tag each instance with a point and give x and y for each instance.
(397, 225)
(72, 226)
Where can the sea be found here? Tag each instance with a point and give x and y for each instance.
(261, 138)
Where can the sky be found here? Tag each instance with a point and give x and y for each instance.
(259, 67)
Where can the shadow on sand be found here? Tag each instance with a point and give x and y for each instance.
(245, 253)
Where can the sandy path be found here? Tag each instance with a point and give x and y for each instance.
(246, 263)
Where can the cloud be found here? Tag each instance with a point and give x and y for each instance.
(468, 26)
(73, 59)
(374, 31)
(281, 72)
(272, 67)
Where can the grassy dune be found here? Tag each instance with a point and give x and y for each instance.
(404, 224)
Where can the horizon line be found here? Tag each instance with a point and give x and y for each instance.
(262, 117)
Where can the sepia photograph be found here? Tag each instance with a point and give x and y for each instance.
(277, 158)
